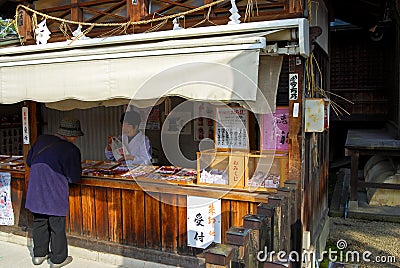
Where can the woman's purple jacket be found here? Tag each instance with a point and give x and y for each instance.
(54, 163)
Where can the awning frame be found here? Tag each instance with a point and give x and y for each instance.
(242, 38)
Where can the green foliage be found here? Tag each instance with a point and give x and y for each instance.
(7, 27)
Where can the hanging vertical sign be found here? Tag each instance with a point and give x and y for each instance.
(275, 130)
(293, 86)
(6, 209)
(203, 221)
(25, 125)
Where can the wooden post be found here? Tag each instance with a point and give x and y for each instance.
(296, 133)
(240, 236)
(260, 232)
(76, 11)
(26, 218)
(219, 256)
(33, 133)
(137, 9)
(296, 64)
(273, 213)
(354, 175)
(296, 7)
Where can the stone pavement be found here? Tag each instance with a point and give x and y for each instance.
(16, 252)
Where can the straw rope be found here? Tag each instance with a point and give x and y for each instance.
(129, 23)
(124, 26)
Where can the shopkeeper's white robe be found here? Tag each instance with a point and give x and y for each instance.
(139, 147)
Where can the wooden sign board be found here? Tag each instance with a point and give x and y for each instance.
(236, 170)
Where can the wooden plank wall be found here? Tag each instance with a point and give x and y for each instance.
(316, 159)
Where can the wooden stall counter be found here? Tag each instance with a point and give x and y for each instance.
(144, 208)
(13, 164)
(124, 210)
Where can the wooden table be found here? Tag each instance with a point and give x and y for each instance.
(369, 142)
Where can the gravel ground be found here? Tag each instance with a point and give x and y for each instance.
(382, 239)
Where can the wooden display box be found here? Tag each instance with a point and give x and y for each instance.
(244, 170)
(267, 169)
(225, 169)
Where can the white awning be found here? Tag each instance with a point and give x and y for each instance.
(142, 67)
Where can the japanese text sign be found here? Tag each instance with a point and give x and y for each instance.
(25, 125)
(275, 130)
(231, 128)
(293, 86)
(203, 221)
(236, 170)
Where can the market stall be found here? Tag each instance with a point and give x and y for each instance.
(143, 211)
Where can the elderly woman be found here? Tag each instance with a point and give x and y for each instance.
(55, 162)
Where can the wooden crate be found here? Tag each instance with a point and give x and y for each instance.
(236, 169)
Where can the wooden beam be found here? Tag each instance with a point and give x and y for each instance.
(79, 4)
(105, 12)
(173, 4)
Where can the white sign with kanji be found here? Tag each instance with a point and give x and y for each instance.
(203, 221)
(231, 128)
(25, 125)
(293, 86)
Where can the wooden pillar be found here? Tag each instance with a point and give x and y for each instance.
(296, 69)
(354, 176)
(137, 9)
(76, 11)
(25, 217)
(296, 6)
(33, 133)
(296, 121)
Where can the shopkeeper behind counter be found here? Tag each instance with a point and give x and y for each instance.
(136, 145)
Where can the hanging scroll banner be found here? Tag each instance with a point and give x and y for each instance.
(275, 130)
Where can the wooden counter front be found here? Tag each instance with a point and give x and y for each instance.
(120, 217)
(120, 211)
